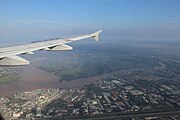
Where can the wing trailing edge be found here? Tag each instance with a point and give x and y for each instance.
(8, 55)
(61, 47)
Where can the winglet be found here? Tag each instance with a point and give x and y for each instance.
(95, 35)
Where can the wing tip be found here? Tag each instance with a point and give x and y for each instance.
(96, 34)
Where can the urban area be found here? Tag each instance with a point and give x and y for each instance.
(131, 94)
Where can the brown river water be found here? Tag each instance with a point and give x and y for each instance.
(33, 78)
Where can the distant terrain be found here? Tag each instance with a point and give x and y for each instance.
(100, 59)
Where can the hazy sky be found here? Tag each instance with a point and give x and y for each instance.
(120, 19)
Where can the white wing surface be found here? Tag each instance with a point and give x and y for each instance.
(8, 55)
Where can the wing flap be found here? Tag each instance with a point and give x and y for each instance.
(61, 47)
(13, 60)
(8, 55)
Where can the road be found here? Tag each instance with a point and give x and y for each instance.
(116, 116)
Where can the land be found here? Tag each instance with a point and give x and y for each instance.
(9, 74)
(87, 65)
(136, 93)
(120, 85)
(8, 79)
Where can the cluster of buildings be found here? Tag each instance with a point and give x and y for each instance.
(131, 91)
(113, 95)
(4, 71)
(22, 104)
(122, 93)
(67, 105)
(128, 95)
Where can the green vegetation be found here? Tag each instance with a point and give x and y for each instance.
(83, 66)
(8, 79)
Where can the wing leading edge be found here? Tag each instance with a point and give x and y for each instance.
(8, 55)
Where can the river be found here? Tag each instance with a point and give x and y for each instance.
(33, 78)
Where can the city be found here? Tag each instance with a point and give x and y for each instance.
(120, 95)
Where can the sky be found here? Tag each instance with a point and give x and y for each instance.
(27, 20)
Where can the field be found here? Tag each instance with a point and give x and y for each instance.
(8, 79)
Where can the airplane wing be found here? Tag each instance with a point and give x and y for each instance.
(8, 55)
